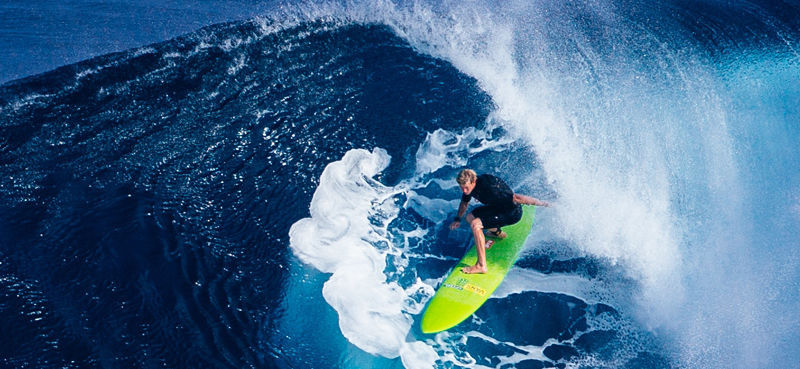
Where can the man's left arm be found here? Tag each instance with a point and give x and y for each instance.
(527, 200)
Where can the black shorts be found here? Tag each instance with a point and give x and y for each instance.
(495, 217)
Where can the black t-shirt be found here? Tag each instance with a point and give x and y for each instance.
(491, 191)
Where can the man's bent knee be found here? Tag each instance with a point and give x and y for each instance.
(476, 224)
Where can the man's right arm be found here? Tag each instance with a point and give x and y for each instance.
(462, 209)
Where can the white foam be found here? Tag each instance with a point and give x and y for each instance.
(521, 280)
(436, 210)
(348, 236)
(240, 63)
(338, 238)
(445, 148)
(442, 148)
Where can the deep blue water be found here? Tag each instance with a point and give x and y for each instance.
(273, 192)
(39, 36)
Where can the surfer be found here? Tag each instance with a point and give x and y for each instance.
(501, 207)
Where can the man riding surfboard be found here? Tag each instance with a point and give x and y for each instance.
(501, 207)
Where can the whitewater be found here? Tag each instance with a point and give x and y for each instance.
(650, 145)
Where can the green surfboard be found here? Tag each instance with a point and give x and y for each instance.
(462, 294)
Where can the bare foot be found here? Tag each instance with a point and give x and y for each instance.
(498, 235)
(475, 269)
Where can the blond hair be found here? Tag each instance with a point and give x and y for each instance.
(466, 176)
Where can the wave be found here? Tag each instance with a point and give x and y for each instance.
(649, 125)
(164, 180)
(634, 119)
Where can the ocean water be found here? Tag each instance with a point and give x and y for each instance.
(273, 190)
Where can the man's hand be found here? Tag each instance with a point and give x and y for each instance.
(455, 225)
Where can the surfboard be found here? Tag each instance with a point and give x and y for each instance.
(461, 294)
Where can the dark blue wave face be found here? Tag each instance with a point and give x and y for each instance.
(147, 195)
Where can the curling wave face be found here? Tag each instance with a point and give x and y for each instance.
(147, 195)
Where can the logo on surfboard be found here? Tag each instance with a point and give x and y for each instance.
(462, 284)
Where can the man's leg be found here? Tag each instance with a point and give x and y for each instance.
(500, 217)
(480, 245)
